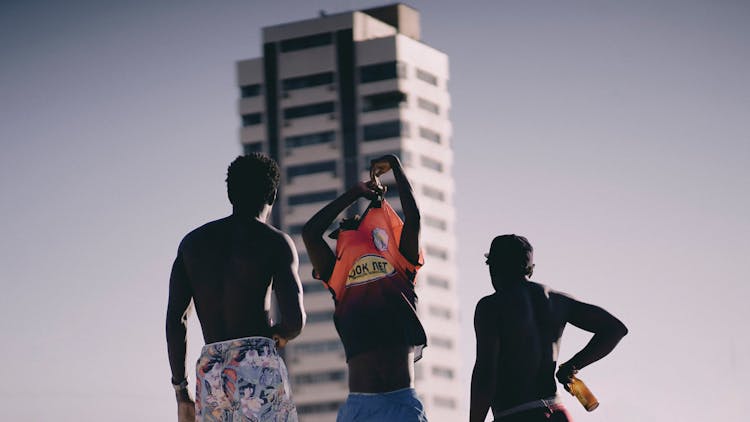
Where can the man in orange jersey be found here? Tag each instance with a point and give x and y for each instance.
(371, 276)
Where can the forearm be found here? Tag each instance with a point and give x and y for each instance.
(482, 390)
(292, 321)
(600, 345)
(317, 225)
(406, 194)
(177, 347)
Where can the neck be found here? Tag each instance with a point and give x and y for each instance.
(259, 215)
(508, 282)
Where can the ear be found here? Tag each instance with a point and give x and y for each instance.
(531, 270)
(272, 199)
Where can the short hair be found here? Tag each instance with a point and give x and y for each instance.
(252, 180)
(512, 254)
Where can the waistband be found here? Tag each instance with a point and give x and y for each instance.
(263, 345)
(549, 402)
(395, 394)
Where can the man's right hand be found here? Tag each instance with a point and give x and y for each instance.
(186, 411)
(564, 373)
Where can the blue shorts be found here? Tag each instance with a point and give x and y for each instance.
(393, 406)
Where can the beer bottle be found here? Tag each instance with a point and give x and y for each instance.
(583, 394)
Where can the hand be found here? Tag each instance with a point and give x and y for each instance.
(382, 165)
(564, 374)
(186, 410)
(369, 190)
(280, 341)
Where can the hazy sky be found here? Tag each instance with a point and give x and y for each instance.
(615, 135)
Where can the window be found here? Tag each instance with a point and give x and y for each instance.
(309, 198)
(436, 281)
(248, 91)
(428, 134)
(445, 402)
(431, 164)
(315, 347)
(436, 252)
(428, 77)
(385, 130)
(381, 72)
(252, 119)
(433, 193)
(442, 372)
(252, 147)
(383, 101)
(319, 377)
(310, 41)
(440, 312)
(319, 316)
(309, 110)
(435, 222)
(313, 286)
(441, 342)
(325, 407)
(311, 168)
(307, 81)
(310, 139)
(428, 105)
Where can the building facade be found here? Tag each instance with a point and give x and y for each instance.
(329, 95)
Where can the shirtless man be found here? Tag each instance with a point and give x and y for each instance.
(375, 315)
(518, 330)
(228, 268)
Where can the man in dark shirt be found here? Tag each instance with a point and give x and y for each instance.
(228, 268)
(518, 330)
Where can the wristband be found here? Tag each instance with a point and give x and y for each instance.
(181, 386)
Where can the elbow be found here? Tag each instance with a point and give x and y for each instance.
(294, 326)
(621, 329)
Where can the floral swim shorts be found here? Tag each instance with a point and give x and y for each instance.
(243, 380)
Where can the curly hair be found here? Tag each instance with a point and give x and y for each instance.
(252, 180)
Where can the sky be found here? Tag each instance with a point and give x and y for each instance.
(614, 135)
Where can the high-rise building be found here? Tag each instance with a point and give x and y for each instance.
(329, 95)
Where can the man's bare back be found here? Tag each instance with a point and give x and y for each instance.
(230, 264)
(227, 268)
(518, 335)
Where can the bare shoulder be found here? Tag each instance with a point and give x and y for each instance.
(487, 307)
(200, 234)
(278, 238)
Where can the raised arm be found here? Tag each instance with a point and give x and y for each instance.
(484, 376)
(321, 256)
(608, 331)
(178, 309)
(409, 242)
(288, 290)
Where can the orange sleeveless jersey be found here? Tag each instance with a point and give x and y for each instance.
(373, 286)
